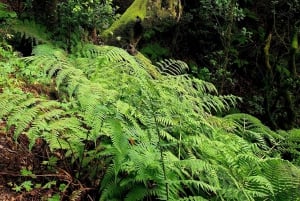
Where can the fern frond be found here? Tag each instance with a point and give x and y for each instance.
(252, 130)
(193, 198)
(172, 67)
(5, 13)
(119, 140)
(76, 195)
(110, 53)
(137, 193)
(166, 121)
(40, 124)
(46, 66)
(259, 186)
(199, 185)
(168, 137)
(8, 101)
(146, 64)
(284, 177)
(49, 50)
(32, 29)
(22, 115)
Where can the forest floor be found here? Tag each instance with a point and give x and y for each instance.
(24, 176)
(15, 156)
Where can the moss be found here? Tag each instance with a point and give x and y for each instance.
(294, 44)
(137, 8)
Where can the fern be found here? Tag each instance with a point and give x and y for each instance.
(5, 13)
(76, 195)
(172, 67)
(193, 198)
(49, 50)
(283, 177)
(156, 133)
(251, 129)
(40, 118)
(33, 30)
(289, 147)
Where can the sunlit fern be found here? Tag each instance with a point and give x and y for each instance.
(252, 130)
(158, 133)
(41, 118)
(32, 29)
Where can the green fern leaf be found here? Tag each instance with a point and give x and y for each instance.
(172, 67)
(32, 29)
(193, 198)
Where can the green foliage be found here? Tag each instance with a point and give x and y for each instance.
(6, 17)
(76, 18)
(55, 197)
(290, 145)
(69, 22)
(139, 131)
(90, 14)
(9, 63)
(281, 175)
(26, 185)
(259, 135)
(172, 67)
(155, 137)
(33, 30)
(26, 173)
(155, 52)
(4, 13)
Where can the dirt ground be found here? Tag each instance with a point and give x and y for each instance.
(15, 156)
(19, 165)
(12, 158)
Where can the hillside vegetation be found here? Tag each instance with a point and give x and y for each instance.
(93, 122)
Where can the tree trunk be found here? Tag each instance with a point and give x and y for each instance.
(137, 8)
(293, 51)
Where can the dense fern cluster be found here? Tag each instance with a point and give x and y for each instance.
(155, 135)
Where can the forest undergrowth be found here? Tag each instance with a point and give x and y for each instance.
(80, 121)
(100, 124)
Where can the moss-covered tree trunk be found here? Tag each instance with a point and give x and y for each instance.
(278, 86)
(146, 10)
(293, 51)
(137, 8)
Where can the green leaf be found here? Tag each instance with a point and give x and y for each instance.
(27, 185)
(25, 172)
(49, 184)
(17, 188)
(55, 197)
